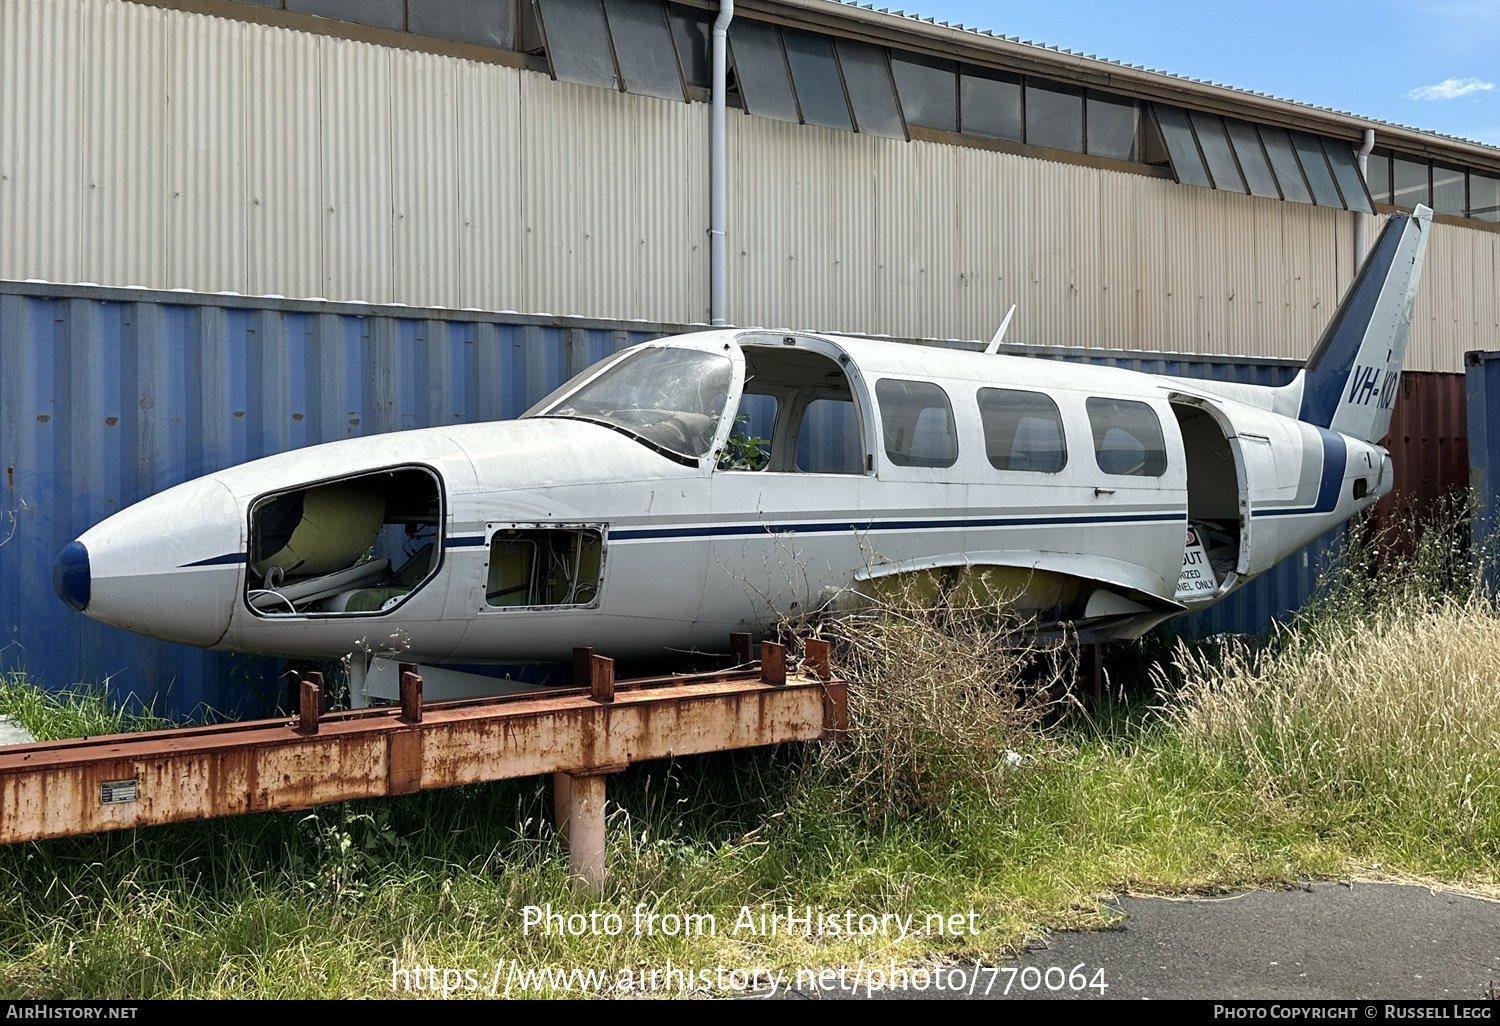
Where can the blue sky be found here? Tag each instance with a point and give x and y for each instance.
(1432, 64)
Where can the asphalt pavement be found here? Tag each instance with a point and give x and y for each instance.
(1320, 941)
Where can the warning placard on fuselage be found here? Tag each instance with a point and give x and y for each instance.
(1197, 580)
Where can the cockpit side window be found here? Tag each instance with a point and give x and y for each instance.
(752, 434)
(797, 414)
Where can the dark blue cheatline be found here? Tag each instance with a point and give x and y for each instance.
(737, 530)
(70, 576)
(228, 559)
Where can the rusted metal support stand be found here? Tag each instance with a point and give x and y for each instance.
(311, 704)
(577, 735)
(817, 658)
(411, 693)
(772, 663)
(739, 649)
(580, 813)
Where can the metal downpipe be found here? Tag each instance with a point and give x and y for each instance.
(1362, 221)
(718, 175)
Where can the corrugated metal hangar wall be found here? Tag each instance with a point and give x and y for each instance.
(149, 146)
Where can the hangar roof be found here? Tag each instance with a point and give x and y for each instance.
(913, 32)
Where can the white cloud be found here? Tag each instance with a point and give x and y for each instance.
(1450, 89)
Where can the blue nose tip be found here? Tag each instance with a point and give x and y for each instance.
(70, 575)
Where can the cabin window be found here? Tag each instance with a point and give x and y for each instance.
(544, 567)
(918, 423)
(828, 439)
(359, 545)
(668, 398)
(1022, 431)
(1127, 438)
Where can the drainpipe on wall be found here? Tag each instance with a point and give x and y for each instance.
(1362, 221)
(717, 172)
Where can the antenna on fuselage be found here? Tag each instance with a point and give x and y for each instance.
(994, 346)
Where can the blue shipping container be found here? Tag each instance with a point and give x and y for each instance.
(1481, 393)
(109, 395)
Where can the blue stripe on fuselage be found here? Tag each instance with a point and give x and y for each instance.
(228, 559)
(731, 530)
(1335, 459)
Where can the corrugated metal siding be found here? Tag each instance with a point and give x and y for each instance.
(489, 184)
(125, 80)
(356, 157)
(206, 157)
(284, 178)
(110, 395)
(1482, 390)
(614, 203)
(1429, 447)
(158, 147)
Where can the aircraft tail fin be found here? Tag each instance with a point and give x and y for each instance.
(1349, 382)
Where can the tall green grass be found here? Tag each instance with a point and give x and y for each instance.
(1378, 708)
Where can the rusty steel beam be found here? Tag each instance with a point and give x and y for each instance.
(86, 785)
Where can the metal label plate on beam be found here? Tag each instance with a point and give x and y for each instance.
(117, 792)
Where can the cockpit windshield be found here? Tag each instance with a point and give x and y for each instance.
(671, 399)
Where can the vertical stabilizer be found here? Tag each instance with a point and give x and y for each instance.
(1349, 383)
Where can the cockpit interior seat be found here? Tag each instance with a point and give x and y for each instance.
(374, 599)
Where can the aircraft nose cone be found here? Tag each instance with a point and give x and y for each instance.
(168, 567)
(70, 575)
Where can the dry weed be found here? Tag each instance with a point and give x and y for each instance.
(1398, 708)
(948, 695)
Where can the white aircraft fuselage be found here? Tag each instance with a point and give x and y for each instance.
(707, 483)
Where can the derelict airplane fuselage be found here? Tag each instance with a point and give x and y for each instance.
(706, 483)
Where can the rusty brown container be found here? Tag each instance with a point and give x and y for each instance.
(1429, 445)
